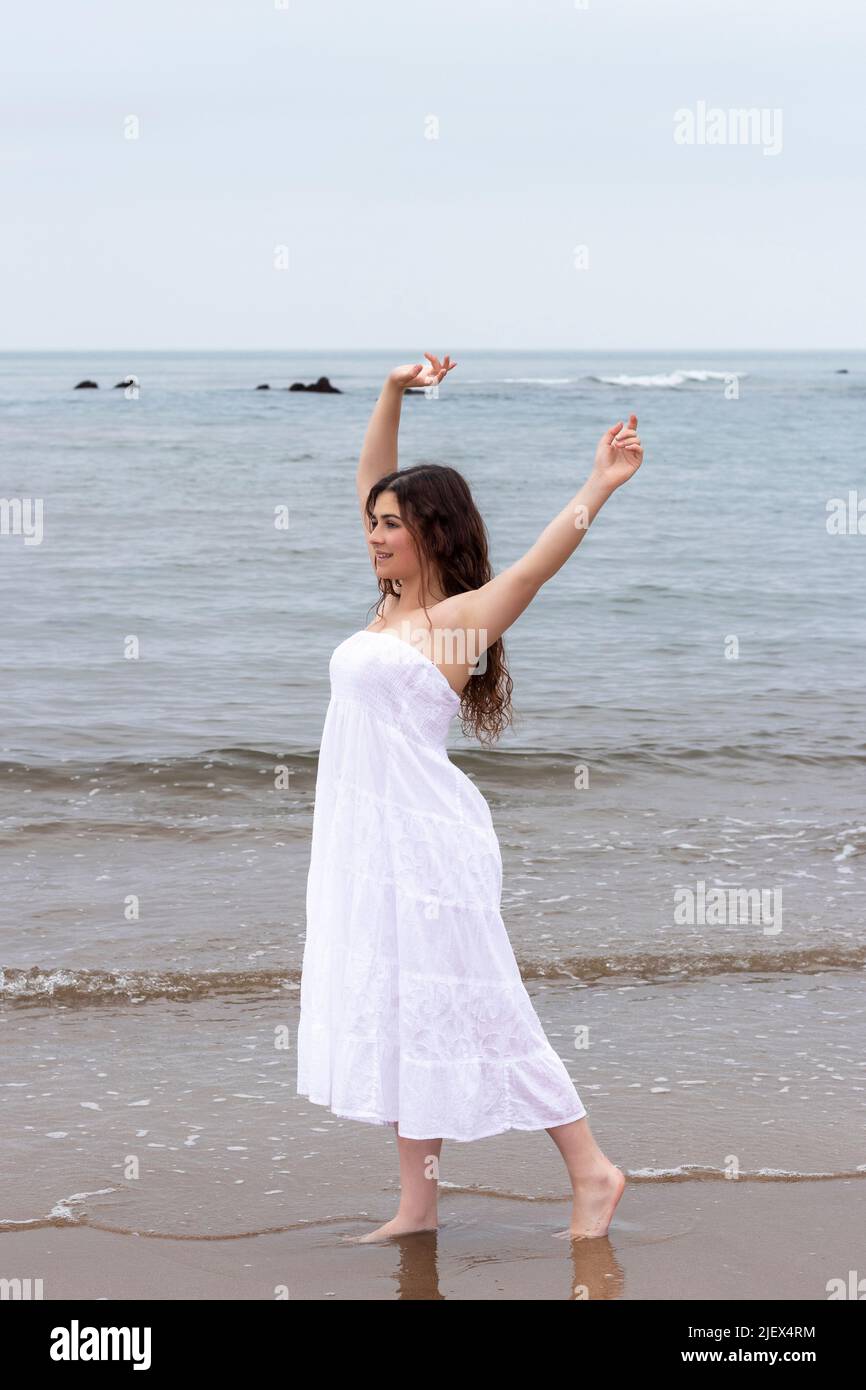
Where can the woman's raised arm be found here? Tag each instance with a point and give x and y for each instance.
(489, 611)
(379, 450)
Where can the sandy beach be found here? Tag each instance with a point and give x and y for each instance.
(714, 1240)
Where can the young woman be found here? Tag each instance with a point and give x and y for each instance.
(413, 1010)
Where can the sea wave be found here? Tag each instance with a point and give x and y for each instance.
(681, 377)
(74, 1209)
(68, 986)
(253, 769)
(669, 379)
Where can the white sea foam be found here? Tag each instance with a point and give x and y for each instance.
(668, 379)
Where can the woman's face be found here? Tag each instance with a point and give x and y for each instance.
(391, 546)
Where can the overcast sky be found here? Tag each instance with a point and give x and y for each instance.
(306, 125)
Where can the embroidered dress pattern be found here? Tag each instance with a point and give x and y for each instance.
(413, 1009)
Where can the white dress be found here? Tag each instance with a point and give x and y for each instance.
(412, 1005)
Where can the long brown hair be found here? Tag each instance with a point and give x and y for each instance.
(438, 510)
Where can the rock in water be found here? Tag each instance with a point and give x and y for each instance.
(323, 385)
(90, 385)
(265, 387)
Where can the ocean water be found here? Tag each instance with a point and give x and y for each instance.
(688, 717)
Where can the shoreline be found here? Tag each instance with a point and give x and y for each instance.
(673, 1241)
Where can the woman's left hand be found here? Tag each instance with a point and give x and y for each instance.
(619, 454)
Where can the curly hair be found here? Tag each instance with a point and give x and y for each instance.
(439, 511)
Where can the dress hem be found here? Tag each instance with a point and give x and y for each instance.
(454, 1138)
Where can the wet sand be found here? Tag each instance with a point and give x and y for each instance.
(753, 1240)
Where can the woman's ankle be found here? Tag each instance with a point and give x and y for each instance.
(417, 1211)
(598, 1169)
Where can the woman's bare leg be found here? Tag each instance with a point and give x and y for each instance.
(419, 1189)
(597, 1183)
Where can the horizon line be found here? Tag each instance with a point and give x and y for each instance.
(210, 351)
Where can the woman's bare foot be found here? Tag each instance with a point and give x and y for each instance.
(595, 1200)
(398, 1226)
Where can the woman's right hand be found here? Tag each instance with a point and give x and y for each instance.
(416, 374)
